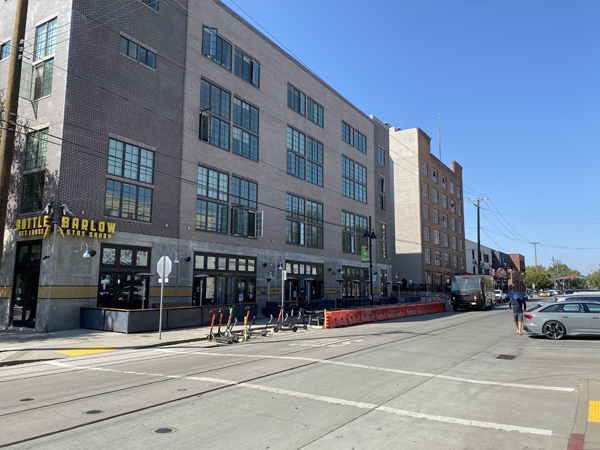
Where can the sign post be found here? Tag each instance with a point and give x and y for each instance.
(164, 269)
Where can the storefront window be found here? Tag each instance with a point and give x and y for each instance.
(199, 262)
(118, 285)
(142, 258)
(126, 257)
(242, 267)
(108, 256)
(222, 263)
(211, 262)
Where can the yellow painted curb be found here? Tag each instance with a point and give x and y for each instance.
(594, 411)
(86, 351)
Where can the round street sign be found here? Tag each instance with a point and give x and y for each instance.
(572, 277)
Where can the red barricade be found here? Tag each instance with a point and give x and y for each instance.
(391, 312)
(411, 310)
(354, 316)
(381, 313)
(336, 319)
(368, 315)
(401, 310)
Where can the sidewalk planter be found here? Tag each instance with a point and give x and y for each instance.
(140, 320)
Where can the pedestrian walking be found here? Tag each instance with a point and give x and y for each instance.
(410, 284)
(403, 284)
(518, 306)
(301, 301)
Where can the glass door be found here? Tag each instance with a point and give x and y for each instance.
(25, 284)
(25, 299)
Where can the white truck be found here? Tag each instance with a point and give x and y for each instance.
(500, 296)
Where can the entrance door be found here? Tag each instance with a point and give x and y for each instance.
(25, 285)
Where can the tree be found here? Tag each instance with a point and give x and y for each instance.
(540, 279)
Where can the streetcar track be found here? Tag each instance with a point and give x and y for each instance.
(262, 377)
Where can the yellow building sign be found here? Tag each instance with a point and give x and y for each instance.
(71, 226)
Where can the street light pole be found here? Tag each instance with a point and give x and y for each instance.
(370, 233)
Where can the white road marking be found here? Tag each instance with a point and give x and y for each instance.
(330, 400)
(325, 343)
(380, 369)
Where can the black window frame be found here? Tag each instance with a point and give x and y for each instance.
(36, 196)
(253, 77)
(137, 201)
(219, 44)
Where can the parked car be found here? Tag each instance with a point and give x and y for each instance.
(500, 296)
(558, 319)
(583, 296)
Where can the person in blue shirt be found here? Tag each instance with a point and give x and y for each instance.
(518, 306)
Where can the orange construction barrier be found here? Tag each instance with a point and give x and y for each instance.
(411, 310)
(336, 319)
(391, 312)
(354, 316)
(401, 310)
(369, 315)
(381, 313)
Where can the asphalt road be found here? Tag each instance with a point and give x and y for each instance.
(425, 382)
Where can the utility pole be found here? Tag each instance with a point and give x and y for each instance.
(553, 274)
(535, 252)
(9, 121)
(478, 233)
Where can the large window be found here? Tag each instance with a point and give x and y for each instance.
(354, 137)
(37, 148)
(128, 201)
(247, 68)
(36, 81)
(354, 180)
(130, 161)
(381, 155)
(211, 216)
(45, 39)
(33, 192)
(353, 230)
(304, 157)
(244, 192)
(244, 144)
(118, 285)
(425, 211)
(215, 48)
(315, 112)
(426, 234)
(245, 115)
(299, 211)
(347, 133)
(215, 99)
(296, 100)
(213, 184)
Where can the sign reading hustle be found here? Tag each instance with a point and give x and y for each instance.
(71, 226)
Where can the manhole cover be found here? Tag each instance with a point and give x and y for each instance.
(27, 399)
(93, 411)
(506, 356)
(163, 430)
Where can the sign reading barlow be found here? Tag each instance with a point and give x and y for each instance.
(71, 226)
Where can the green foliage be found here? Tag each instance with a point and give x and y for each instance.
(540, 279)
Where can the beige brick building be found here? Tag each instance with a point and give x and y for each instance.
(429, 236)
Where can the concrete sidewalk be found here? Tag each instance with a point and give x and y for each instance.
(586, 431)
(20, 347)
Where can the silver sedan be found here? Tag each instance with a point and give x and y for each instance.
(555, 320)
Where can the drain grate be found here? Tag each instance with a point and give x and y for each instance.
(93, 411)
(506, 356)
(163, 430)
(27, 399)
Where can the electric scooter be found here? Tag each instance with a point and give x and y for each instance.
(219, 339)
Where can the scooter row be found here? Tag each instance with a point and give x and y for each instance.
(285, 322)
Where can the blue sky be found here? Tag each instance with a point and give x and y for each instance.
(515, 82)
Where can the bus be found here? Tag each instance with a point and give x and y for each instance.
(472, 292)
